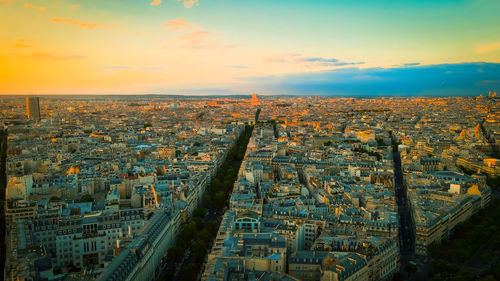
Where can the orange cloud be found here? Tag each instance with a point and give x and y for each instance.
(29, 6)
(487, 48)
(201, 40)
(21, 43)
(155, 3)
(56, 57)
(178, 24)
(75, 6)
(189, 3)
(196, 39)
(75, 22)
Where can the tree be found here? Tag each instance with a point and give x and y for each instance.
(188, 231)
(199, 249)
(190, 272)
(220, 200)
(199, 212)
(410, 268)
(434, 249)
(228, 176)
(232, 172)
(207, 200)
(205, 235)
(215, 184)
(227, 185)
(86, 198)
(488, 278)
(169, 275)
(439, 266)
(212, 227)
(198, 221)
(398, 276)
(175, 253)
(55, 198)
(464, 275)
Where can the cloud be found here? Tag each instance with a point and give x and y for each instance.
(56, 57)
(30, 6)
(21, 43)
(155, 3)
(188, 3)
(488, 48)
(308, 61)
(78, 23)
(238, 66)
(411, 64)
(126, 67)
(282, 58)
(196, 39)
(179, 24)
(75, 6)
(441, 79)
(199, 39)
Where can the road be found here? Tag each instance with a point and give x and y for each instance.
(406, 235)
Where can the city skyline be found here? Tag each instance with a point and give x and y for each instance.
(238, 47)
(163, 188)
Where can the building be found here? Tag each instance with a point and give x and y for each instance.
(33, 108)
(255, 100)
(306, 265)
(351, 267)
(436, 214)
(139, 260)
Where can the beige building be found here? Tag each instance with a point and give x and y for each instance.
(353, 267)
(435, 215)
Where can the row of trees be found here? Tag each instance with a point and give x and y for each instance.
(197, 235)
(475, 243)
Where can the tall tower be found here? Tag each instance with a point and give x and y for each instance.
(3, 186)
(33, 108)
(255, 100)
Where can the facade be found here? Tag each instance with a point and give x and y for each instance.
(436, 214)
(33, 108)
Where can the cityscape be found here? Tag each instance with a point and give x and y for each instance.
(243, 188)
(227, 140)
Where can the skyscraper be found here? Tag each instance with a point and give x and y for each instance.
(3, 186)
(255, 100)
(33, 108)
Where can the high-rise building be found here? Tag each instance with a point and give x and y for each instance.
(255, 100)
(33, 108)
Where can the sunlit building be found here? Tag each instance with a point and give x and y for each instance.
(33, 108)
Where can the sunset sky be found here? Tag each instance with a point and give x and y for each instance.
(328, 47)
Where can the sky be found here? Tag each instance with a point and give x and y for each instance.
(327, 47)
